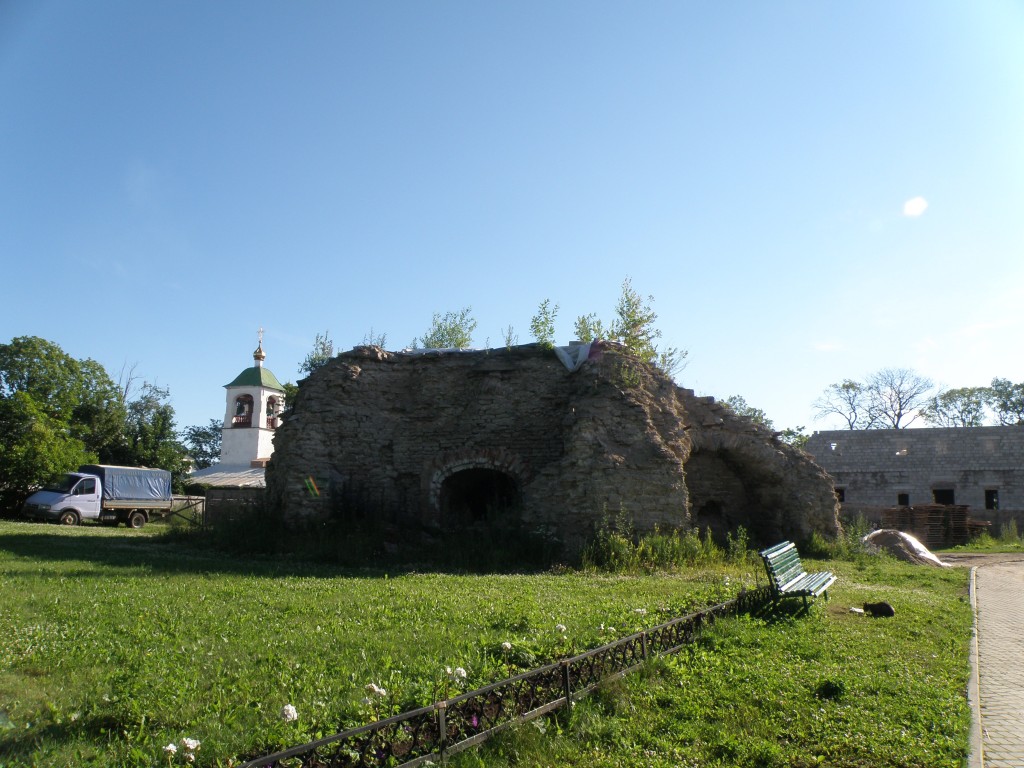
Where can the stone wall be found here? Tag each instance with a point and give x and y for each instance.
(974, 466)
(422, 442)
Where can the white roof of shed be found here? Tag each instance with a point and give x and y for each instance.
(238, 476)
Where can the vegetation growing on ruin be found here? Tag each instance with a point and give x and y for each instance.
(114, 644)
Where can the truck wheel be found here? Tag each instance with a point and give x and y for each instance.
(68, 517)
(136, 520)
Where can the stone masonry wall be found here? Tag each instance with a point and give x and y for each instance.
(428, 441)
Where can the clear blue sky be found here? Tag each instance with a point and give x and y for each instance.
(175, 175)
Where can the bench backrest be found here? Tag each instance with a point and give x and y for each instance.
(782, 563)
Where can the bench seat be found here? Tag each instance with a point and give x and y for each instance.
(787, 576)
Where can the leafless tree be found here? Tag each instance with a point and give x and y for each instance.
(127, 382)
(897, 396)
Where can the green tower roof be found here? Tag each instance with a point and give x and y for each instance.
(257, 376)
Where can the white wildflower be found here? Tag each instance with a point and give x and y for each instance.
(559, 627)
(506, 646)
(171, 748)
(289, 714)
(455, 675)
(641, 611)
(191, 745)
(376, 690)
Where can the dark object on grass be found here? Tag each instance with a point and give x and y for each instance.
(880, 610)
(830, 689)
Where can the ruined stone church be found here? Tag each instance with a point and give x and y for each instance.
(424, 441)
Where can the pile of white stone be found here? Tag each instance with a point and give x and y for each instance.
(902, 546)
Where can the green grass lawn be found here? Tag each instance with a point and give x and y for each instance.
(114, 643)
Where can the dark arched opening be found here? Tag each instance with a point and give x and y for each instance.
(477, 495)
(719, 494)
(243, 411)
(272, 411)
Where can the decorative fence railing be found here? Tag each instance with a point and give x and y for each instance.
(446, 727)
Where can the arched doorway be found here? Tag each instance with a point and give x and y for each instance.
(477, 495)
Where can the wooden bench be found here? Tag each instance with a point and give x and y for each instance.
(788, 577)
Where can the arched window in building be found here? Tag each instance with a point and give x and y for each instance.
(243, 411)
(273, 409)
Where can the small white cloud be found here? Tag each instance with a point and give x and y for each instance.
(915, 206)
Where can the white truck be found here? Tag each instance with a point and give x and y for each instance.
(111, 495)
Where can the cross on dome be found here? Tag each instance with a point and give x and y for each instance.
(259, 355)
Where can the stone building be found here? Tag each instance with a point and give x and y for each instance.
(551, 439)
(981, 467)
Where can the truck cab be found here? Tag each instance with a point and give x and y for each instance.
(73, 498)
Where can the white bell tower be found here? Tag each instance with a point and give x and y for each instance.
(255, 401)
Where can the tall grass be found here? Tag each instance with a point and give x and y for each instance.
(1008, 533)
(616, 547)
(1008, 538)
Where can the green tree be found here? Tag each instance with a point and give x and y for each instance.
(320, 355)
(542, 324)
(738, 405)
(848, 400)
(453, 330)
(151, 438)
(99, 418)
(963, 407)
(55, 413)
(1006, 400)
(791, 436)
(633, 326)
(203, 443)
(34, 447)
(634, 323)
(590, 328)
(795, 436)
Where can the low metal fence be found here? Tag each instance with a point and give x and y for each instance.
(431, 733)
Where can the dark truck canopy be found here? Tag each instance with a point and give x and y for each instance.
(131, 483)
